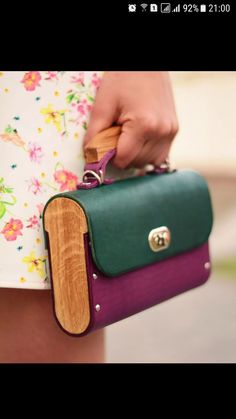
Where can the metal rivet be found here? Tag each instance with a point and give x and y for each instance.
(207, 265)
(95, 276)
(97, 307)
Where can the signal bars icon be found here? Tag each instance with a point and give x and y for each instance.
(176, 9)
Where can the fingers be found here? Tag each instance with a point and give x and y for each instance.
(153, 153)
(143, 141)
(129, 146)
(161, 152)
(103, 115)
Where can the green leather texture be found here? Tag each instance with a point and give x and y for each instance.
(121, 215)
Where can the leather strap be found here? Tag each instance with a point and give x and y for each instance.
(94, 172)
(99, 151)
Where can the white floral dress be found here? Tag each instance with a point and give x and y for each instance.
(43, 118)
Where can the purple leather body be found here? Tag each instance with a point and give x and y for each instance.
(130, 293)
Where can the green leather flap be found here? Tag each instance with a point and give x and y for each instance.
(121, 215)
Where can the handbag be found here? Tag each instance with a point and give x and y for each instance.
(116, 248)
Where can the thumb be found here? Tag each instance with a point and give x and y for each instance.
(103, 115)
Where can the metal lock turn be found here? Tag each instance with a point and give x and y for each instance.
(159, 238)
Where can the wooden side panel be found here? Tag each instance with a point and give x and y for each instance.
(66, 225)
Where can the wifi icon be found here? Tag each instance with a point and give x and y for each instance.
(144, 6)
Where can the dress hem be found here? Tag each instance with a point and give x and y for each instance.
(26, 285)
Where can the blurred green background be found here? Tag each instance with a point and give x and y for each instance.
(200, 325)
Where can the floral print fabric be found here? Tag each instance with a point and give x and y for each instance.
(43, 119)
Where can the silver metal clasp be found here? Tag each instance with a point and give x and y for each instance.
(99, 177)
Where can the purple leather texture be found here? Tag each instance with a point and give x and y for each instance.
(130, 293)
(97, 167)
(101, 164)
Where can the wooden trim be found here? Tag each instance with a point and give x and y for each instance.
(103, 142)
(66, 225)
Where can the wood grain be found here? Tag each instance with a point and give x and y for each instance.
(102, 142)
(66, 225)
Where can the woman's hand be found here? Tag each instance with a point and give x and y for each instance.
(142, 102)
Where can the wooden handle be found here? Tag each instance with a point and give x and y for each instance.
(101, 144)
